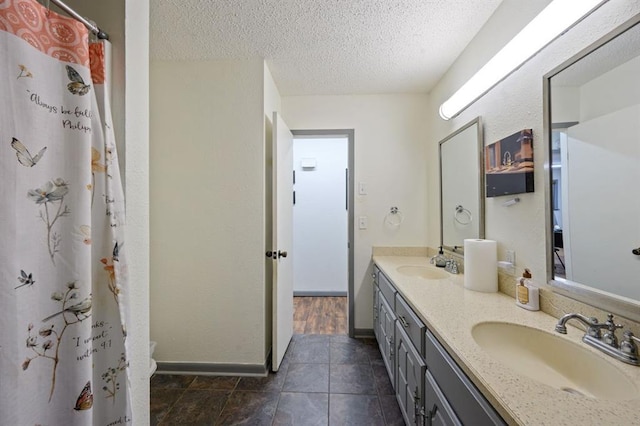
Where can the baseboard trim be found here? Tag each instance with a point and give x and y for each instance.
(213, 369)
(319, 293)
(363, 332)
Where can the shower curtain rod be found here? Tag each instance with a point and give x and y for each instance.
(92, 27)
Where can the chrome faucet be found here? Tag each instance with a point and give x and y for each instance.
(451, 266)
(626, 351)
(591, 323)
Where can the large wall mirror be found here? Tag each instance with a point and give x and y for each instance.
(462, 186)
(593, 126)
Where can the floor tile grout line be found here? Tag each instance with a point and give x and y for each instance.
(275, 411)
(172, 406)
(227, 400)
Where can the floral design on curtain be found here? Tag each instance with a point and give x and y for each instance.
(63, 272)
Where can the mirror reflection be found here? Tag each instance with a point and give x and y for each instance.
(461, 186)
(595, 168)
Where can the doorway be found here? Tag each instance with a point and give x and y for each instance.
(323, 231)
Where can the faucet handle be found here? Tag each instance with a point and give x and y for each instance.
(628, 346)
(610, 336)
(612, 326)
(593, 329)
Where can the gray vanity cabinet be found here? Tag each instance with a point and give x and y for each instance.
(409, 377)
(430, 387)
(447, 383)
(384, 320)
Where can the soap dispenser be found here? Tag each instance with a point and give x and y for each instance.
(439, 260)
(527, 294)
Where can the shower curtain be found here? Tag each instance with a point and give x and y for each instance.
(63, 274)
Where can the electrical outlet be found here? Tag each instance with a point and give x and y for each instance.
(363, 222)
(511, 257)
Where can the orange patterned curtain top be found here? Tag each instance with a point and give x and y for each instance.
(55, 35)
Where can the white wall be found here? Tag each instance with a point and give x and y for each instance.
(612, 91)
(565, 104)
(390, 136)
(604, 224)
(208, 203)
(127, 23)
(609, 116)
(320, 263)
(514, 104)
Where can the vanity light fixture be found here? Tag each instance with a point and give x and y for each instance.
(555, 19)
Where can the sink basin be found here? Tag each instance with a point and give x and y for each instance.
(426, 272)
(553, 360)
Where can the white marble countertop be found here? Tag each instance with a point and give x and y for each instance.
(450, 311)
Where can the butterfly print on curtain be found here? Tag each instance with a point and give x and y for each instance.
(77, 85)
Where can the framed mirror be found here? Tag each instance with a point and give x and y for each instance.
(592, 122)
(462, 186)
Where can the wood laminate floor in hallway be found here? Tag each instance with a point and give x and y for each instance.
(319, 315)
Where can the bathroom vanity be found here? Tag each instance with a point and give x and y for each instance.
(432, 334)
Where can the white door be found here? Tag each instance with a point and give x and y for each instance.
(282, 239)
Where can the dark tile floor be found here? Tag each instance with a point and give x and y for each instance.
(323, 380)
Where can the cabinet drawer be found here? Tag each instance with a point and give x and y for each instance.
(387, 289)
(436, 407)
(411, 324)
(465, 399)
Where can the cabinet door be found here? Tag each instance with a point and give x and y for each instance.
(376, 308)
(410, 371)
(387, 341)
(438, 412)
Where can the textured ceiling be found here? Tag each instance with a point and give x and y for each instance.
(317, 47)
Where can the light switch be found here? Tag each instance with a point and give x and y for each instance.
(363, 222)
(362, 188)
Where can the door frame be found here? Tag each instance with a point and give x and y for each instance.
(349, 134)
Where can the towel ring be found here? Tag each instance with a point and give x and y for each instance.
(461, 214)
(394, 218)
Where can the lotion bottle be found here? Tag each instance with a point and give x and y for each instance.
(527, 294)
